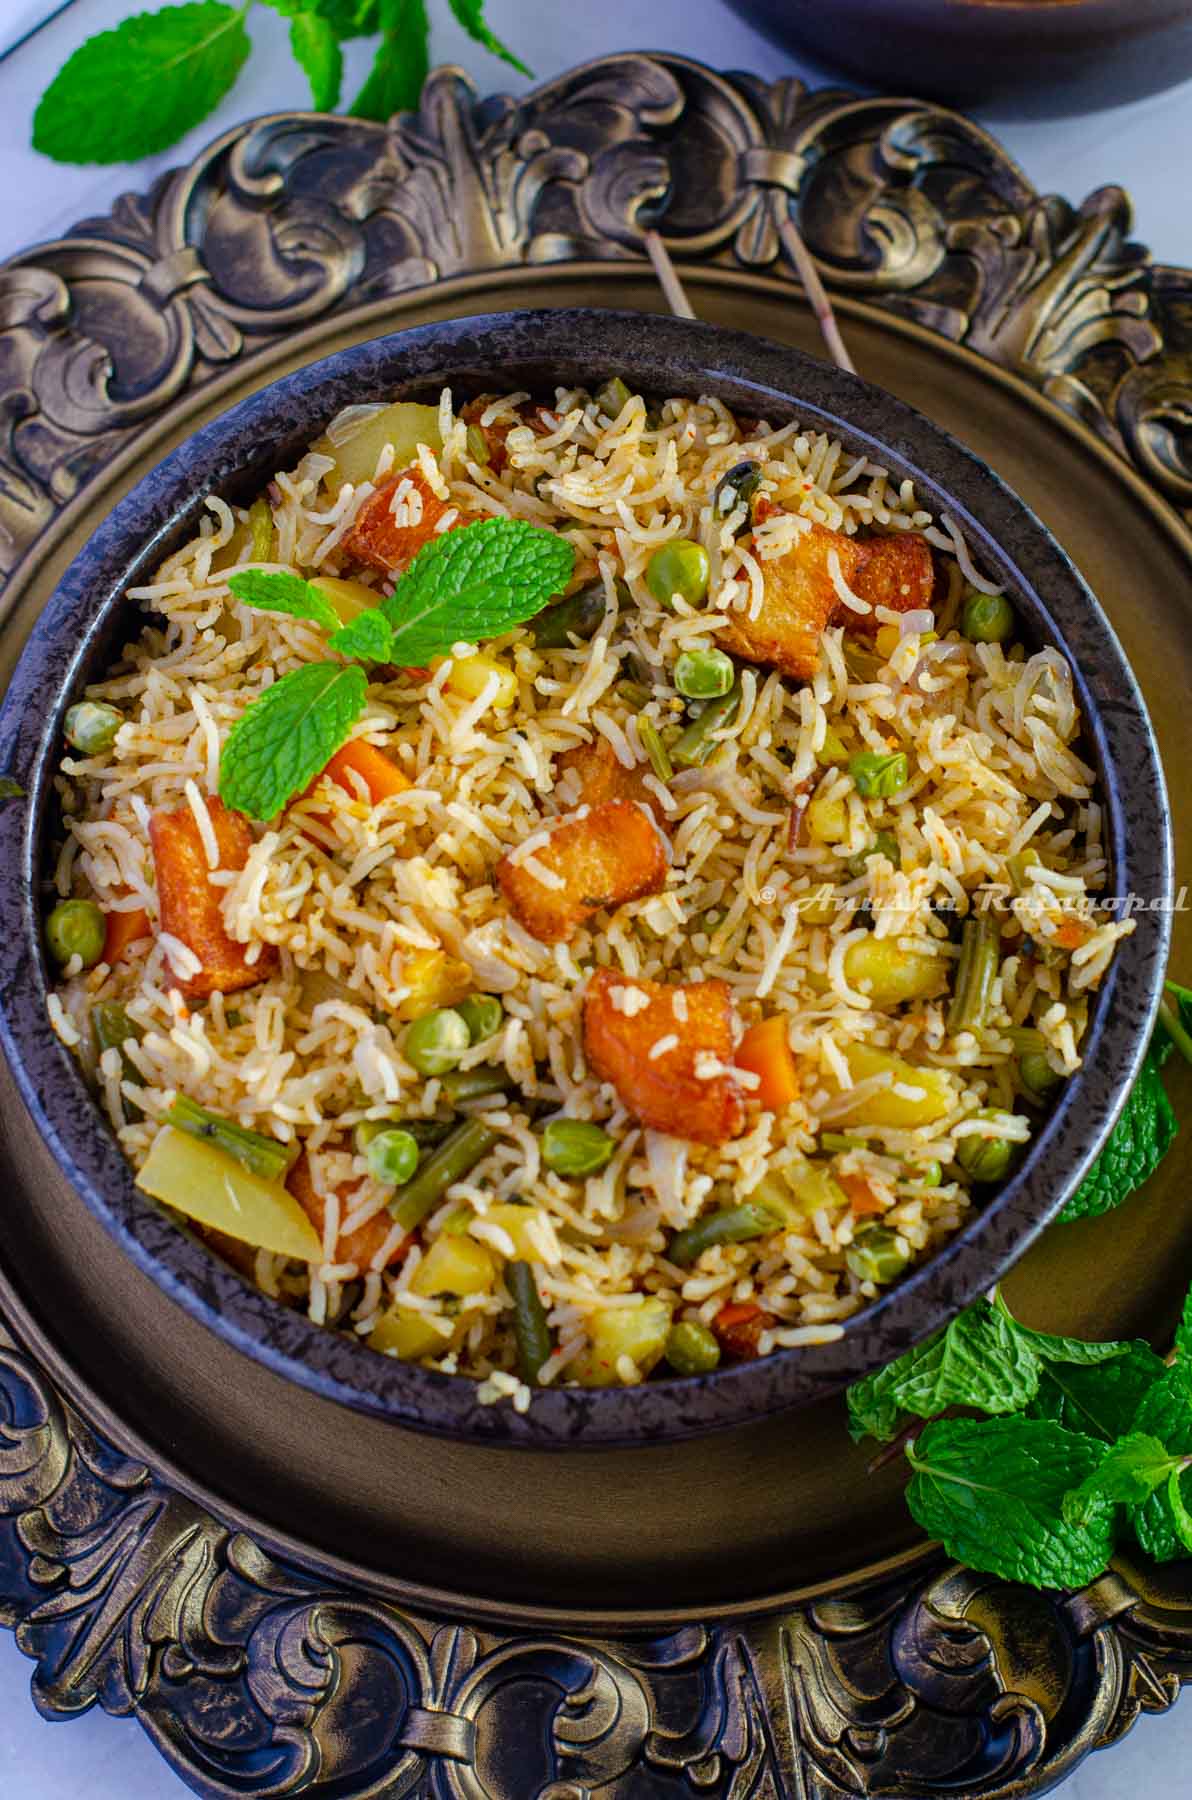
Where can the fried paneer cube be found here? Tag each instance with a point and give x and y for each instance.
(897, 573)
(603, 776)
(612, 854)
(359, 1246)
(382, 537)
(800, 598)
(670, 1059)
(190, 906)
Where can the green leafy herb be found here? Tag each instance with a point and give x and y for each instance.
(474, 583)
(1129, 1474)
(1135, 1148)
(1181, 1517)
(1100, 1400)
(1052, 1349)
(10, 789)
(139, 88)
(135, 90)
(1183, 1336)
(1165, 1413)
(278, 591)
(992, 1490)
(367, 637)
(1176, 1018)
(280, 744)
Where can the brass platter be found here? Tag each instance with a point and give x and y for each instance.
(742, 1616)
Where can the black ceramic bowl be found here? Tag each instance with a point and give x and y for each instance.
(1030, 57)
(87, 619)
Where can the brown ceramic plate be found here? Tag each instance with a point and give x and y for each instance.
(850, 1654)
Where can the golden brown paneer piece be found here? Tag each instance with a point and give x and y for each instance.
(603, 776)
(189, 906)
(688, 1089)
(800, 599)
(377, 538)
(358, 1246)
(897, 573)
(613, 854)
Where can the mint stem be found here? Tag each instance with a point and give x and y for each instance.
(1173, 1026)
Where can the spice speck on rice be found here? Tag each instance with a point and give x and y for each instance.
(561, 1022)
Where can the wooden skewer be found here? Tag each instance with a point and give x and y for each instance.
(796, 249)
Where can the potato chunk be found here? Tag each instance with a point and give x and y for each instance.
(800, 599)
(390, 542)
(603, 776)
(358, 1246)
(897, 573)
(689, 1090)
(190, 907)
(404, 424)
(613, 854)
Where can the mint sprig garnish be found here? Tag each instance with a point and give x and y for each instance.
(473, 583)
(137, 89)
(1135, 1147)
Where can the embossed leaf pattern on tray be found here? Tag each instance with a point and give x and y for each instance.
(252, 1676)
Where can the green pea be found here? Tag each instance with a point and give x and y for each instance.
(435, 1042)
(575, 1147)
(691, 1349)
(877, 774)
(884, 844)
(482, 1014)
(703, 674)
(651, 742)
(76, 928)
(876, 1255)
(680, 567)
(987, 618)
(735, 489)
(928, 1174)
(986, 1159)
(91, 727)
(476, 444)
(392, 1157)
(612, 397)
(1036, 1076)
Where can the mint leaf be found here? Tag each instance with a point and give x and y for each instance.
(470, 14)
(135, 90)
(474, 583)
(1051, 1349)
(366, 637)
(277, 591)
(1099, 1401)
(1175, 1016)
(1165, 1413)
(1181, 1517)
(316, 50)
(279, 745)
(401, 65)
(992, 1491)
(1183, 1335)
(1136, 1146)
(978, 1360)
(1131, 1471)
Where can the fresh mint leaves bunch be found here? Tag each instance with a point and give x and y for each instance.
(472, 583)
(130, 92)
(1080, 1444)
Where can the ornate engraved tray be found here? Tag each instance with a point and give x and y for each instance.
(787, 1636)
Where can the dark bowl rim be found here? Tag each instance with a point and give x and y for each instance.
(702, 357)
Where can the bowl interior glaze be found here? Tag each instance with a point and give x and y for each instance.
(234, 457)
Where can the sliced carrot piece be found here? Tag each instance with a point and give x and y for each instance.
(380, 774)
(765, 1051)
(358, 1246)
(655, 1056)
(738, 1327)
(376, 536)
(122, 929)
(1072, 933)
(189, 906)
(863, 1201)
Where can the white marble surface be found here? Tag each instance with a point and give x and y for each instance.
(1144, 146)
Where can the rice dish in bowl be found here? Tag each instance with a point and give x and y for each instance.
(806, 957)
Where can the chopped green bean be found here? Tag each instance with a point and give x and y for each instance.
(530, 1329)
(260, 524)
(482, 1014)
(703, 674)
(575, 1147)
(76, 928)
(976, 972)
(695, 746)
(655, 749)
(111, 1029)
(476, 445)
(455, 1157)
(612, 397)
(691, 1349)
(734, 1225)
(736, 488)
(877, 774)
(928, 1174)
(461, 1085)
(435, 1042)
(578, 617)
(261, 1156)
(876, 1254)
(678, 567)
(634, 693)
(91, 727)
(840, 1140)
(987, 618)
